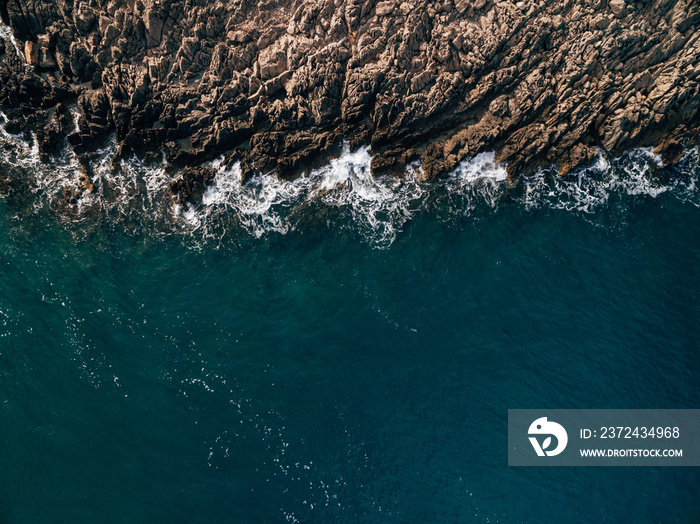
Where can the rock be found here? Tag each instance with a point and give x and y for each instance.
(46, 59)
(247, 170)
(12, 181)
(154, 23)
(43, 41)
(576, 156)
(393, 162)
(84, 20)
(618, 8)
(189, 187)
(384, 8)
(31, 53)
(32, 89)
(672, 148)
(277, 85)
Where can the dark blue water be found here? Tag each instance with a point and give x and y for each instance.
(320, 376)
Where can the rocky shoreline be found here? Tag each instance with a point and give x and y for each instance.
(278, 85)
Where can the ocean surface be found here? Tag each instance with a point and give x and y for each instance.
(337, 349)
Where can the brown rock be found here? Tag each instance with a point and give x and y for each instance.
(189, 187)
(285, 81)
(576, 156)
(618, 8)
(31, 53)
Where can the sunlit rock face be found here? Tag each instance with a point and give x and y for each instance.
(278, 85)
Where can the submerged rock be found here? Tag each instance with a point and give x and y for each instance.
(286, 80)
(12, 181)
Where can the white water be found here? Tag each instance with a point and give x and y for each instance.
(637, 173)
(6, 34)
(340, 194)
(378, 206)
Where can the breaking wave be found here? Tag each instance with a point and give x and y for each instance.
(342, 194)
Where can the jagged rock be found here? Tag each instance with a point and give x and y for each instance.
(94, 123)
(46, 59)
(673, 147)
(618, 8)
(32, 89)
(580, 154)
(43, 41)
(189, 187)
(31, 53)
(393, 162)
(279, 84)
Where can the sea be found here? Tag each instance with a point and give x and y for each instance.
(339, 348)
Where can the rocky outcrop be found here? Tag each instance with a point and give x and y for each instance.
(280, 83)
(190, 186)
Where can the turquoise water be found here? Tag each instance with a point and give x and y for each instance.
(312, 363)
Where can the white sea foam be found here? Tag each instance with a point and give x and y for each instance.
(587, 190)
(482, 167)
(475, 182)
(341, 194)
(378, 206)
(47, 181)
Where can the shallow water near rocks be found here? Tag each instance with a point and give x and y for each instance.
(340, 348)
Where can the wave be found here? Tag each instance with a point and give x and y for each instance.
(379, 207)
(342, 194)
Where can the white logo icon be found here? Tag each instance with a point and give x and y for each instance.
(542, 426)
